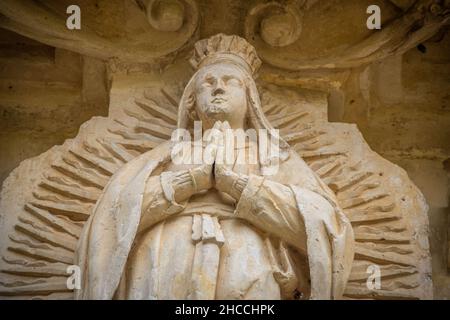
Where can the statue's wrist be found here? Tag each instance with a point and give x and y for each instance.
(182, 185)
(189, 182)
(201, 178)
(238, 187)
(232, 183)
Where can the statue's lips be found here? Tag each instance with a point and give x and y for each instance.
(218, 100)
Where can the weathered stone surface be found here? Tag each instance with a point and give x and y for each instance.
(322, 69)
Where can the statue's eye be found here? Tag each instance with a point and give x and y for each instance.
(208, 82)
(233, 82)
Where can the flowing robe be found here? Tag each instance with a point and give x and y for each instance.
(136, 245)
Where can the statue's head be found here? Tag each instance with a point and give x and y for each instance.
(221, 95)
(223, 87)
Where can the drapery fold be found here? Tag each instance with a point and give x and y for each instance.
(108, 234)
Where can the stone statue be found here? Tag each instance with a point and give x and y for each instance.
(162, 230)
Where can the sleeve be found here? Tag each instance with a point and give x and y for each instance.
(309, 221)
(273, 207)
(159, 198)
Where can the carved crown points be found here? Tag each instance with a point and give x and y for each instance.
(221, 46)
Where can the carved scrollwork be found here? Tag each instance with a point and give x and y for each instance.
(131, 35)
(278, 24)
(171, 15)
(165, 15)
(419, 22)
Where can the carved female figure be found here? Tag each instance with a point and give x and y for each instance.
(216, 230)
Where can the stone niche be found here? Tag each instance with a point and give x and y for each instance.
(367, 110)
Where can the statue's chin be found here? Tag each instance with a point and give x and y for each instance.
(217, 112)
(217, 108)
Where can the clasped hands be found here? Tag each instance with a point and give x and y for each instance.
(214, 173)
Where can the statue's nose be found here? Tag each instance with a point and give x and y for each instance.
(219, 88)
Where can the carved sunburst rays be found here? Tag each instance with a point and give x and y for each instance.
(43, 240)
(381, 231)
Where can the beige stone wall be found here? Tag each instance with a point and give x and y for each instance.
(45, 95)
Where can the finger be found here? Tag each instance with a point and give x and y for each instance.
(212, 136)
(218, 134)
(209, 133)
(209, 154)
(225, 125)
(228, 145)
(218, 125)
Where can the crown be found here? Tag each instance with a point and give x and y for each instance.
(223, 47)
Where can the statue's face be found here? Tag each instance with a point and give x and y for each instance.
(221, 95)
